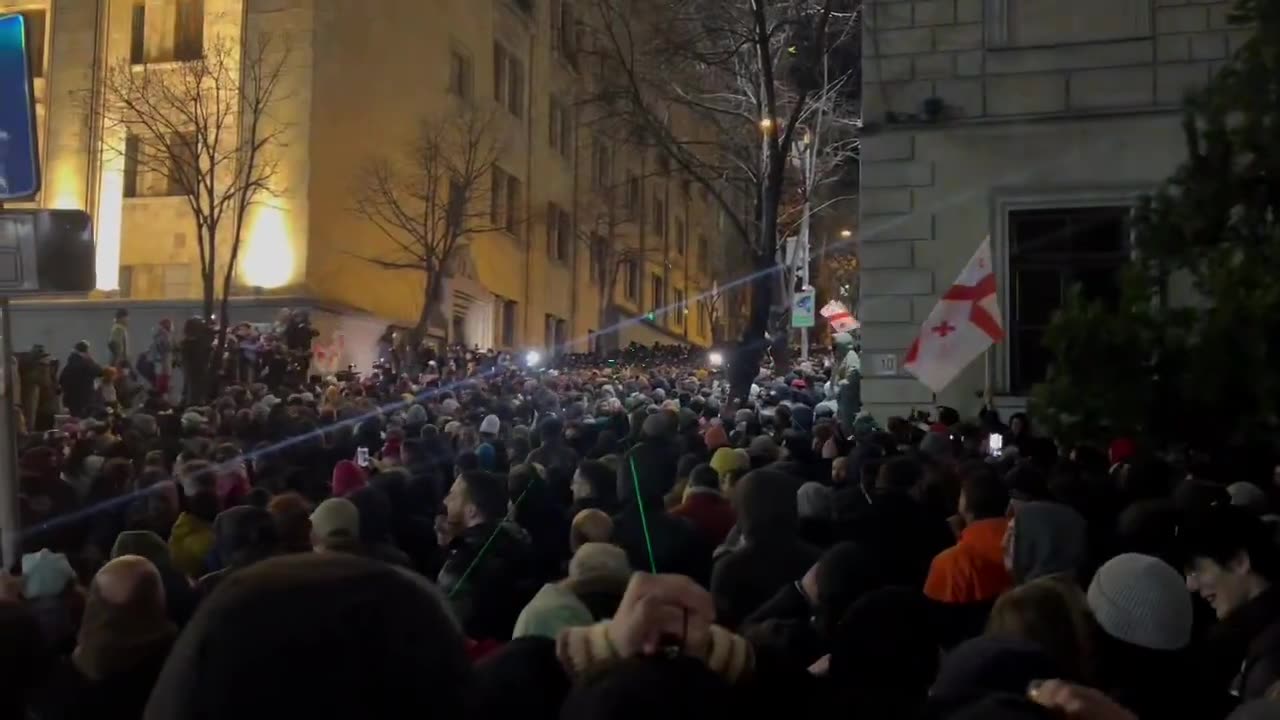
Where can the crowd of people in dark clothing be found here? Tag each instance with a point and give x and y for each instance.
(616, 541)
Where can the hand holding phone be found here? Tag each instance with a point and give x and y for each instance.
(362, 456)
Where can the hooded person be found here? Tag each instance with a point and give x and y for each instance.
(243, 536)
(49, 588)
(124, 638)
(653, 538)
(192, 537)
(179, 596)
(405, 657)
(1046, 539)
(771, 554)
(598, 575)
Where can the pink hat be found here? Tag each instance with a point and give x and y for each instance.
(347, 478)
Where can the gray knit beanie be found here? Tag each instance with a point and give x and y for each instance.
(1143, 601)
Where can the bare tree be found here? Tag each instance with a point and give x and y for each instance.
(754, 100)
(429, 198)
(711, 304)
(202, 128)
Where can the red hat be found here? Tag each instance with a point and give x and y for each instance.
(347, 478)
(1122, 449)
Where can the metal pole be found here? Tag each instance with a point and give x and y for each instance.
(10, 530)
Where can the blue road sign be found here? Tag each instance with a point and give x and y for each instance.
(19, 161)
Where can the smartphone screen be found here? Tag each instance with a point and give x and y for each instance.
(362, 456)
(995, 444)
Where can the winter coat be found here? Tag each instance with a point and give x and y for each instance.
(678, 547)
(190, 543)
(709, 511)
(489, 598)
(77, 380)
(972, 570)
(902, 531)
(1242, 652)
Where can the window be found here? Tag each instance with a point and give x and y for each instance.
(188, 30)
(596, 266)
(1051, 250)
(131, 150)
(701, 252)
(34, 21)
(657, 295)
(601, 165)
(509, 308)
(504, 199)
(457, 205)
(678, 300)
(559, 229)
(563, 30)
(659, 217)
(460, 75)
(184, 164)
(680, 239)
(560, 127)
(508, 80)
(631, 280)
(555, 334)
(633, 195)
(138, 36)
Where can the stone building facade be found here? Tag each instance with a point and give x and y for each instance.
(362, 75)
(1034, 122)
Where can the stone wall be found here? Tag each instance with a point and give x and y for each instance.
(1023, 123)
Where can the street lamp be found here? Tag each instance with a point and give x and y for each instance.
(846, 233)
(766, 124)
(715, 359)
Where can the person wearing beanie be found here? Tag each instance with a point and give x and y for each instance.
(715, 438)
(347, 478)
(1140, 600)
(706, 506)
(771, 553)
(598, 574)
(938, 447)
(179, 596)
(973, 570)
(1248, 496)
(762, 451)
(1144, 611)
(124, 638)
(335, 526)
(490, 426)
(242, 536)
(1232, 563)
(590, 526)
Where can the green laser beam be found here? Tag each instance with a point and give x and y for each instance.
(644, 521)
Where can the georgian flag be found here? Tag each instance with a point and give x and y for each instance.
(839, 316)
(964, 323)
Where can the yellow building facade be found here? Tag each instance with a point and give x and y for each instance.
(362, 76)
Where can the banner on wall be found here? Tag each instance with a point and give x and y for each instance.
(802, 309)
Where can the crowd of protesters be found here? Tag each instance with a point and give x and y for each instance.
(612, 539)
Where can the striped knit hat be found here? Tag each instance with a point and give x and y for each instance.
(1143, 601)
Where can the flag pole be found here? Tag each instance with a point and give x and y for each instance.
(986, 377)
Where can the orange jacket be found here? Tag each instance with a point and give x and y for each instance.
(973, 569)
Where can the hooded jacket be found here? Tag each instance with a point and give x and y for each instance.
(189, 544)
(1049, 539)
(772, 554)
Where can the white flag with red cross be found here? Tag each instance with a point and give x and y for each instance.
(839, 316)
(964, 323)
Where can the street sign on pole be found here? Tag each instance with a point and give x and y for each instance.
(19, 159)
(802, 309)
